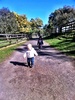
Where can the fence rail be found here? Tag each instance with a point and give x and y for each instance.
(69, 27)
(8, 39)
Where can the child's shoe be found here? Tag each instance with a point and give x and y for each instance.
(31, 66)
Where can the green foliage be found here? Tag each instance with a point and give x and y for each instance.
(22, 23)
(61, 16)
(11, 22)
(59, 19)
(7, 21)
(39, 22)
(36, 24)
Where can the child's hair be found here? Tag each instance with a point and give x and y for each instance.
(29, 46)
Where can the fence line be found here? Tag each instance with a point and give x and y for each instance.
(8, 39)
(69, 27)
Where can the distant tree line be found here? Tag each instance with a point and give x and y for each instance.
(11, 22)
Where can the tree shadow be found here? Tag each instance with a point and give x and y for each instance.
(34, 38)
(56, 55)
(19, 63)
(25, 45)
(43, 47)
(71, 52)
(20, 49)
(35, 47)
(41, 53)
(47, 47)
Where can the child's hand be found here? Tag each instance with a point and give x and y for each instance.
(36, 54)
(24, 55)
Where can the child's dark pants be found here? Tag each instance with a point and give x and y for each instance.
(30, 61)
(40, 46)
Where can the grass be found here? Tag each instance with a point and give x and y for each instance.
(6, 52)
(4, 43)
(66, 45)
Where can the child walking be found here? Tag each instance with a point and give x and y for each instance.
(40, 42)
(30, 53)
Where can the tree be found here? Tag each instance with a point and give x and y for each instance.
(36, 24)
(7, 21)
(61, 17)
(39, 22)
(33, 24)
(21, 22)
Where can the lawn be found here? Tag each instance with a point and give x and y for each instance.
(4, 43)
(66, 45)
(7, 51)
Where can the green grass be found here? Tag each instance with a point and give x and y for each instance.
(67, 46)
(4, 43)
(6, 52)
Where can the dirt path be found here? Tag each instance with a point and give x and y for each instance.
(52, 78)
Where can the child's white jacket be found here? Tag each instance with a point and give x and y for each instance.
(30, 53)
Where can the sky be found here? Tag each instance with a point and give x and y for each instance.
(36, 8)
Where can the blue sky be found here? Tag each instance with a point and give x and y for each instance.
(36, 8)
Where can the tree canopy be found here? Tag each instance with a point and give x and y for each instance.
(36, 24)
(7, 21)
(11, 22)
(61, 16)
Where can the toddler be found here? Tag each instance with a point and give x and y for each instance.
(30, 53)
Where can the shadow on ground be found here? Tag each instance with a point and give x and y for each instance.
(19, 63)
(20, 49)
(45, 51)
(42, 52)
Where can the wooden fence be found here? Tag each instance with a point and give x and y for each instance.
(69, 27)
(8, 39)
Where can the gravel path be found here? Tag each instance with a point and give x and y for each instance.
(52, 77)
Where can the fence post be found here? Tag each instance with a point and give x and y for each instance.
(10, 40)
(17, 39)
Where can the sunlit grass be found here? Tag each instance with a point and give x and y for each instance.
(67, 46)
(6, 52)
(4, 43)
